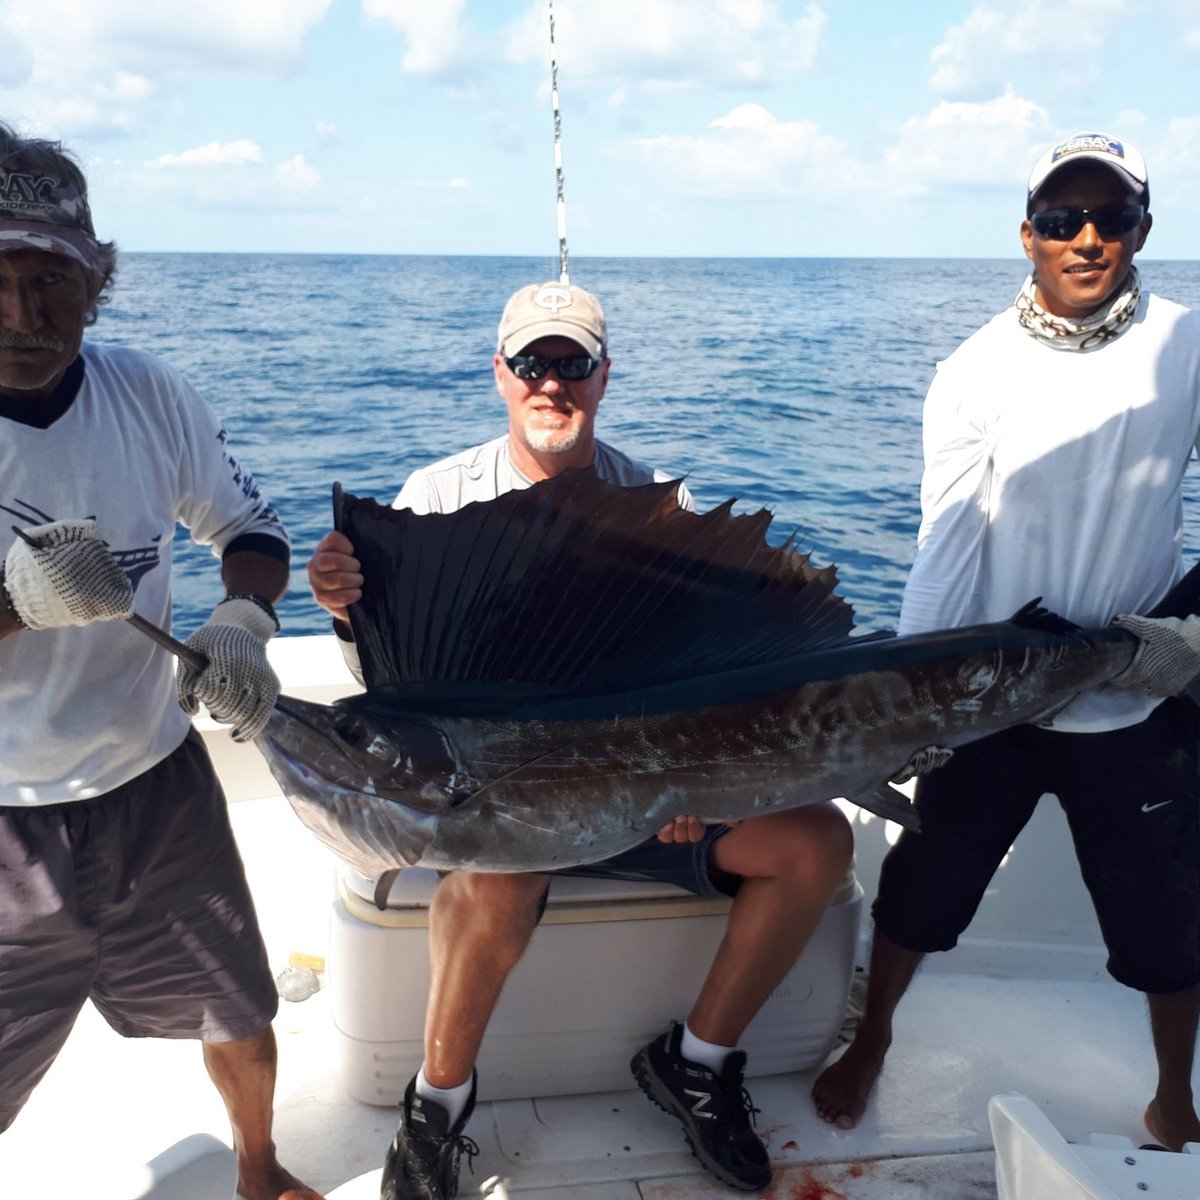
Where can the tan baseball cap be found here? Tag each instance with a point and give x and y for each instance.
(552, 310)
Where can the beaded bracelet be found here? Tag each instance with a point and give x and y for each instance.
(261, 601)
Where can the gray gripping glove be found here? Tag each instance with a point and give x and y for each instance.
(238, 685)
(1168, 654)
(69, 578)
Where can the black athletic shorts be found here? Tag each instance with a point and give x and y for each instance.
(1131, 800)
(137, 900)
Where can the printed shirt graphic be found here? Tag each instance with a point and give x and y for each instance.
(85, 710)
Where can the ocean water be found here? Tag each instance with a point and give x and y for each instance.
(793, 385)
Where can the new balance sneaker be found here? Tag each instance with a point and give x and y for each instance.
(422, 1163)
(715, 1109)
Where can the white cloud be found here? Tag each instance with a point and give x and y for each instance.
(297, 175)
(217, 178)
(1061, 38)
(672, 43)
(1179, 159)
(214, 154)
(749, 154)
(294, 177)
(745, 116)
(90, 68)
(961, 143)
(434, 30)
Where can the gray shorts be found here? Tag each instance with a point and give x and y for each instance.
(137, 900)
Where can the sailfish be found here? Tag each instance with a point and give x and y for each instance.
(553, 675)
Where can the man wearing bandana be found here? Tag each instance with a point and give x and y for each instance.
(119, 879)
(1056, 440)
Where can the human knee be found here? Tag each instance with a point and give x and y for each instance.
(815, 841)
(257, 1047)
(484, 898)
(813, 845)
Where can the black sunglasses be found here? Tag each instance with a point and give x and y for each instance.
(533, 366)
(1064, 224)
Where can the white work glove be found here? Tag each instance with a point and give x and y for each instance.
(1168, 656)
(69, 578)
(238, 685)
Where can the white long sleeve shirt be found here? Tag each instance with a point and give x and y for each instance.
(1058, 474)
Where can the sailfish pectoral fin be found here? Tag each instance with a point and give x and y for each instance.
(886, 801)
(922, 762)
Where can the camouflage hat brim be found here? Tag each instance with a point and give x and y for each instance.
(74, 244)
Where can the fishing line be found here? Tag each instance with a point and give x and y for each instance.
(563, 273)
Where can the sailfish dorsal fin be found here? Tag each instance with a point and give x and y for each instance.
(578, 583)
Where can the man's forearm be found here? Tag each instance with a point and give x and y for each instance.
(259, 574)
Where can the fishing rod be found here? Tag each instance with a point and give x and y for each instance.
(561, 204)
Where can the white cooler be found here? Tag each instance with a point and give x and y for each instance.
(611, 964)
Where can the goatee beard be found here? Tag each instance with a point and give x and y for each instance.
(552, 441)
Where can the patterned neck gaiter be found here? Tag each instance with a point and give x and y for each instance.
(1063, 333)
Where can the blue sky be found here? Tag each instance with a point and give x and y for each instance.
(691, 127)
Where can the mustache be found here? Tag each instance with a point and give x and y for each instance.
(45, 340)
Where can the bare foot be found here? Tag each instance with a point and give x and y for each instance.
(272, 1183)
(841, 1091)
(1172, 1129)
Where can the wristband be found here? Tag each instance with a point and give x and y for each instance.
(261, 601)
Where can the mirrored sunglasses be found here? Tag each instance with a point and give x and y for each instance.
(1064, 224)
(573, 367)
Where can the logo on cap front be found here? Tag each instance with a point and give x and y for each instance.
(25, 196)
(552, 298)
(1095, 143)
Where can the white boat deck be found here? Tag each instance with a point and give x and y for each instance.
(1047, 1023)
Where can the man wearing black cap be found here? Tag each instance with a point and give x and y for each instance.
(551, 368)
(119, 879)
(1056, 441)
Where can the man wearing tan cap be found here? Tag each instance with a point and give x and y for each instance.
(551, 368)
(1056, 442)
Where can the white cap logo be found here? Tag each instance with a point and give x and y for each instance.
(553, 298)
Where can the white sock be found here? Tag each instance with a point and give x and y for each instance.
(453, 1099)
(707, 1054)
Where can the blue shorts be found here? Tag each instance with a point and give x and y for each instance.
(687, 865)
(1130, 799)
